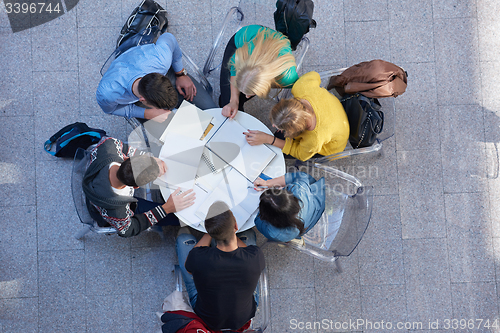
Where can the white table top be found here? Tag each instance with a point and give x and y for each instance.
(275, 169)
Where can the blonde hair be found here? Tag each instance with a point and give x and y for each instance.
(256, 73)
(290, 116)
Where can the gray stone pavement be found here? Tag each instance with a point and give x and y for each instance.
(430, 253)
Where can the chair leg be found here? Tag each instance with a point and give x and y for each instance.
(82, 232)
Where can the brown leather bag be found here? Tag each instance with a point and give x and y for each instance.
(375, 79)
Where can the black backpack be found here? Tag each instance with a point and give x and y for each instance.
(293, 18)
(366, 120)
(71, 137)
(148, 14)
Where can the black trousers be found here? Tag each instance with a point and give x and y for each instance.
(225, 78)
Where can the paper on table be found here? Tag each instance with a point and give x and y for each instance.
(182, 160)
(188, 121)
(234, 192)
(250, 161)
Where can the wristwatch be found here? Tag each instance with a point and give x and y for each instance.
(182, 73)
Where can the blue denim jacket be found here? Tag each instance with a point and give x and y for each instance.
(114, 94)
(311, 194)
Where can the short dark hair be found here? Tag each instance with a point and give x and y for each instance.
(280, 208)
(158, 91)
(220, 222)
(138, 171)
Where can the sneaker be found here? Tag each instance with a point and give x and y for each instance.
(297, 242)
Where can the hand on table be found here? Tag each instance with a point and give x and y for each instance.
(230, 110)
(255, 137)
(178, 201)
(186, 87)
(260, 182)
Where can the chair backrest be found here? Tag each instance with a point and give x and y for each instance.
(80, 165)
(348, 207)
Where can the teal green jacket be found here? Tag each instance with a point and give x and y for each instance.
(247, 35)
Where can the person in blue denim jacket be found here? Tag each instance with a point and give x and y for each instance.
(290, 206)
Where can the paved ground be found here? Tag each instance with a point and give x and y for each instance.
(432, 249)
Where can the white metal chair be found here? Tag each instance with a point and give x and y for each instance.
(348, 207)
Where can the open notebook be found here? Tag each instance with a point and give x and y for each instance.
(248, 160)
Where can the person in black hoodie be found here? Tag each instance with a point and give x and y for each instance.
(114, 172)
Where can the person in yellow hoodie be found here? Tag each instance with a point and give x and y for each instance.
(314, 122)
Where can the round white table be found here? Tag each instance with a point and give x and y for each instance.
(275, 169)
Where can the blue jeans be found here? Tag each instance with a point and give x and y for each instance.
(185, 242)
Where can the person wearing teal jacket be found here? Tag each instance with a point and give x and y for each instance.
(256, 59)
(291, 211)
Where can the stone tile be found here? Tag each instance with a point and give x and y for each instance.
(378, 10)
(186, 34)
(19, 253)
(16, 51)
(468, 126)
(464, 170)
(57, 220)
(109, 313)
(410, 28)
(494, 213)
(18, 183)
(421, 194)
(290, 307)
(470, 256)
(17, 134)
(106, 13)
(474, 301)
(146, 302)
(427, 277)
(458, 81)
(360, 37)
(453, 9)
(381, 261)
(19, 315)
(421, 89)
(17, 91)
(378, 169)
(344, 272)
(61, 273)
(418, 128)
(56, 44)
(490, 85)
(62, 314)
(340, 304)
(108, 274)
(327, 40)
(387, 302)
(152, 269)
(468, 212)
(150, 238)
(386, 219)
(288, 268)
(489, 40)
(181, 15)
(92, 54)
(55, 92)
(491, 127)
(487, 9)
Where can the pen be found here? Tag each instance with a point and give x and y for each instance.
(263, 187)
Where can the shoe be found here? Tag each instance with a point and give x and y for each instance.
(297, 242)
(183, 230)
